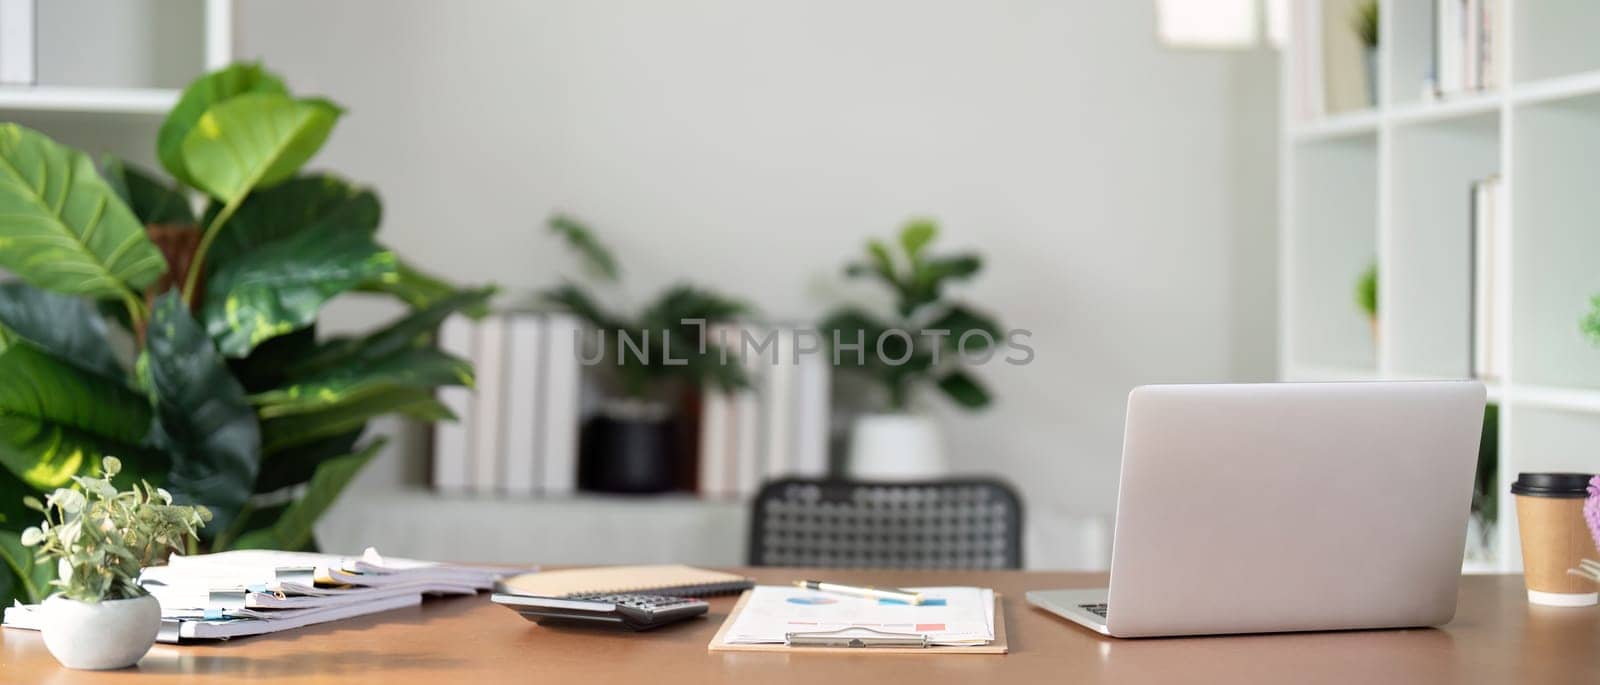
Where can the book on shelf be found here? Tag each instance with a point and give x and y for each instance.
(1488, 304)
(452, 440)
(560, 404)
(1468, 46)
(518, 427)
(18, 54)
(488, 411)
(524, 449)
(778, 426)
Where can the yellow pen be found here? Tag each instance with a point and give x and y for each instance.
(894, 594)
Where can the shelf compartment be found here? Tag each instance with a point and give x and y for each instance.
(1553, 440)
(126, 44)
(1427, 307)
(1556, 215)
(1346, 125)
(1334, 214)
(1554, 38)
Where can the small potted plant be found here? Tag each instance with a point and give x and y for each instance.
(648, 363)
(924, 345)
(100, 537)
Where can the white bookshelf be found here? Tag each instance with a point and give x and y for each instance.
(214, 45)
(1391, 182)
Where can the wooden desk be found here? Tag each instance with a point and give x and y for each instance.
(1495, 638)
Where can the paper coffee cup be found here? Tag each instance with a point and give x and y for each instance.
(1554, 538)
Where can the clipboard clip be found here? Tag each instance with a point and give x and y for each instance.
(849, 637)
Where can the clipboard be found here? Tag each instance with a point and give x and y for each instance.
(889, 643)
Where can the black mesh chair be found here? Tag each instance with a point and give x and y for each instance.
(957, 524)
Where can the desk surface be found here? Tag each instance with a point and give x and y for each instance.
(1496, 638)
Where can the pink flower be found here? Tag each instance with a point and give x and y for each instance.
(1591, 510)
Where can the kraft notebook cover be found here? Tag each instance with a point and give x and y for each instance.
(671, 579)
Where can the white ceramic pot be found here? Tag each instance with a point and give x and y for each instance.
(896, 447)
(97, 636)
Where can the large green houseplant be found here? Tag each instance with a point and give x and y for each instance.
(220, 391)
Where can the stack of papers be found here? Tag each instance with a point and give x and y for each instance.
(952, 616)
(252, 592)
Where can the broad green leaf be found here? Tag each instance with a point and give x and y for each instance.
(882, 263)
(916, 235)
(13, 515)
(408, 369)
(964, 389)
(282, 434)
(255, 140)
(404, 333)
(280, 287)
(596, 258)
(574, 299)
(204, 92)
(317, 203)
(930, 275)
(57, 421)
(267, 366)
(212, 431)
(293, 529)
(30, 580)
(62, 227)
(296, 465)
(958, 320)
(417, 288)
(852, 329)
(70, 327)
(150, 198)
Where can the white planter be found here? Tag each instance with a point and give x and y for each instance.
(100, 635)
(896, 447)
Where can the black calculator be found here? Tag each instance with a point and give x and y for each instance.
(624, 610)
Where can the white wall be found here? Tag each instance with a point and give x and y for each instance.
(1121, 192)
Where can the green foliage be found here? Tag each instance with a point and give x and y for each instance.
(152, 200)
(292, 530)
(1365, 22)
(929, 329)
(197, 99)
(206, 424)
(63, 228)
(70, 327)
(30, 579)
(280, 288)
(1591, 321)
(1485, 494)
(670, 327)
(232, 399)
(100, 537)
(1367, 291)
(596, 258)
(57, 421)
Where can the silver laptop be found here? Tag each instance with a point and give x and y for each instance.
(1285, 507)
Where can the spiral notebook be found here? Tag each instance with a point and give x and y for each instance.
(674, 580)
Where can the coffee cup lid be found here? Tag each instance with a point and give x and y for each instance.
(1564, 485)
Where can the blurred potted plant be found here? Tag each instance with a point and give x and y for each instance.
(646, 361)
(1485, 506)
(918, 347)
(1367, 296)
(227, 398)
(1365, 23)
(99, 538)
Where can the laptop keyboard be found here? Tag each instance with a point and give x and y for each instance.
(1096, 609)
